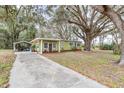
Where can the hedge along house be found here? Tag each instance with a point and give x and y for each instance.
(43, 45)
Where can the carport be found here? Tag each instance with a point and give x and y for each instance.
(21, 46)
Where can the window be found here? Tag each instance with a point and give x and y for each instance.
(71, 43)
(62, 46)
(78, 44)
(45, 45)
(54, 45)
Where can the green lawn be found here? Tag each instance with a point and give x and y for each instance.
(98, 65)
(7, 58)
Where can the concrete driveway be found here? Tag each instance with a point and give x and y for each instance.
(31, 70)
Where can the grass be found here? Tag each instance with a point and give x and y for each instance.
(7, 58)
(97, 65)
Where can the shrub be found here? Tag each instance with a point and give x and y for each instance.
(73, 48)
(33, 48)
(107, 47)
(116, 50)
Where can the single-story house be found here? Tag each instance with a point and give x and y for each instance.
(55, 45)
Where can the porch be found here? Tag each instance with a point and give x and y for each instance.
(45, 45)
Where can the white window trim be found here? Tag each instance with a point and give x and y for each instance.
(53, 48)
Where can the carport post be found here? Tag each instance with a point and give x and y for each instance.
(59, 46)
(14, 47)
(41, 46)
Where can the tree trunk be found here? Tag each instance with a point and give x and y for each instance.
(122, 50)
(87, 45)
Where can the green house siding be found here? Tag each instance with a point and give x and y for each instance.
(37, 46)
(70, 45)
(65, 46)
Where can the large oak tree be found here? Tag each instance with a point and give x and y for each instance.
(90, 22)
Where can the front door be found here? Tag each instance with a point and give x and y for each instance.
(50, 47)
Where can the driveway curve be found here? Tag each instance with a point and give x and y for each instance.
(32, 70)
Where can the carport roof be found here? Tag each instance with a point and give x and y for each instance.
(21, 42)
